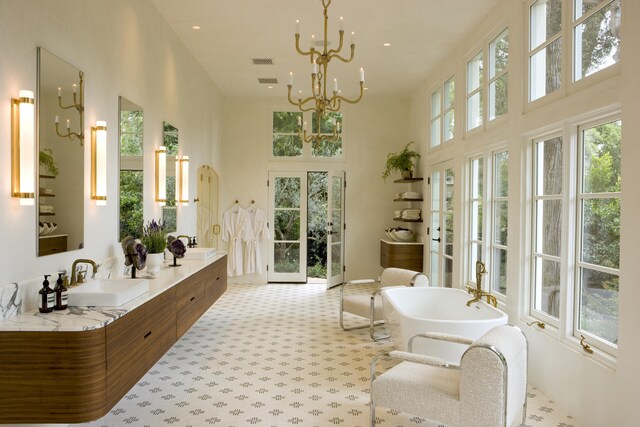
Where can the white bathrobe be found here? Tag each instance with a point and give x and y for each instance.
(236, 228)
(252, 250)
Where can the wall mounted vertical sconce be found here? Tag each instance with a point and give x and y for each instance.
(182, 180)
(99, 163)
(23, 148)
(161, 175)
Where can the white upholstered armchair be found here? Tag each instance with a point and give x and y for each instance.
(487, 389)
(369, 304)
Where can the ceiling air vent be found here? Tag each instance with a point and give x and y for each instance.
(262, 61)
(268, 80)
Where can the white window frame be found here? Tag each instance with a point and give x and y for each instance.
(494, 77)
(470, 93)
(532, 51)
(488, 202)
(565, 328)
(576, 45)
(438, 116)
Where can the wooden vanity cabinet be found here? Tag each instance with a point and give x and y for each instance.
(50, 377)
(136, 341)
(75, 377)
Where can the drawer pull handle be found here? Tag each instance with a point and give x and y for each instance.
(147, 335)
(192, 298)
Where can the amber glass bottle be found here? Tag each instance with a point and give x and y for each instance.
(46, 299)
(61, 293)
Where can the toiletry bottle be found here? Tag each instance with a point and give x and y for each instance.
(61, 293)
(46, 299)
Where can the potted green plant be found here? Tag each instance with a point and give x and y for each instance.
(402, 161)
(154, 237)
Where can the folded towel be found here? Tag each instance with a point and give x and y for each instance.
(46, 191)
(46, 209)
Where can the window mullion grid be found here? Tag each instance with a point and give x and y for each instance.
(546, 44)
(587, 15)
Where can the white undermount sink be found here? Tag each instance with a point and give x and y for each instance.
(199, 253)
(107, 292)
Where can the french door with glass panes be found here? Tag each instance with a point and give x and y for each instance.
(335, 229)
(441, 228)
(288, 218)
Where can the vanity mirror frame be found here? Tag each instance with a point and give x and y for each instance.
(60, 190)
(171, 140)
(134, 163)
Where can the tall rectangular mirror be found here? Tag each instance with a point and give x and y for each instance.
(60, 189)
(131, 169)
(169, 211)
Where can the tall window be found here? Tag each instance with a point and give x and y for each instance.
(547, 227)
(498, 78)
(474, 91)
(442, 113)
(598, 246)
(499, 221)
(545, 48)
(596, 33)
(489, 211)
(592, 233)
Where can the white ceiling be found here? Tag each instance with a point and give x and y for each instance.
(421, 33)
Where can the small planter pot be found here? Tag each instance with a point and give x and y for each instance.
(154, 262)
(407, 174)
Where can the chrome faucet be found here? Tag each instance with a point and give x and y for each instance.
(79, 278)
(478, 292)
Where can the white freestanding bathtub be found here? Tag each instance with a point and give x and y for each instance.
(409, 311)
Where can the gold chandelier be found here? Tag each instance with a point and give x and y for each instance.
(319, 102)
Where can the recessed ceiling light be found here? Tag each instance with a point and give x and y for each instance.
(269, 87)
(386, 44)
(366, 88)
(196, 27)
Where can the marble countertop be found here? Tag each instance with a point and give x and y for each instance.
(393, 242)
(87, 318)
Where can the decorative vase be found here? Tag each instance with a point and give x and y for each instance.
(406, 173)
(154, 262)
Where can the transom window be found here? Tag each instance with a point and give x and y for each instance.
(596, 35)
(474, 91)
(442, 113)
(595, 32)
(498, 77)
(287, 143)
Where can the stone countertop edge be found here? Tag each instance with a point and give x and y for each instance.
(88, 318)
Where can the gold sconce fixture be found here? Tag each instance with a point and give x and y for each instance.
(161, 175)
(23, 148)
(78, 104)
(99, 163)
(182, 180)
(319, 101)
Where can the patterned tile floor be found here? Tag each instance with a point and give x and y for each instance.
(274, 356)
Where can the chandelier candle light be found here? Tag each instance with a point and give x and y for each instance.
(319, 101)
(78, 105)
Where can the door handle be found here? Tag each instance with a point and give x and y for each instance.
(436, 240)
(216, 229)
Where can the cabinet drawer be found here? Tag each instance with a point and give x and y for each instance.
(136, 341)
(216, 284)
(401, 256)
(190, 302)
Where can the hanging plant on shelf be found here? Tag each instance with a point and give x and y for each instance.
(47, 162)
(403, 162)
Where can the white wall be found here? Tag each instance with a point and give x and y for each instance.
(372, 128)
(124, 48)
(595, 394)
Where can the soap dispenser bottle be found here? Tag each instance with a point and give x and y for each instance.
(46, 300)
(61, 293)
